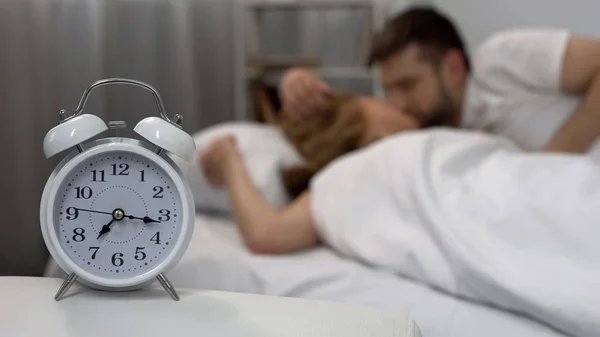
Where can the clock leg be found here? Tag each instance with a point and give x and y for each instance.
(167, 285)
(65, 286)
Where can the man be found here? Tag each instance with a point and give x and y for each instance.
(538, 87)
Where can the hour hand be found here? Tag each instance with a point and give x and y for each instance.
(105, 229)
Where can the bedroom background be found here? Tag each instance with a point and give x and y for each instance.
(53, 49)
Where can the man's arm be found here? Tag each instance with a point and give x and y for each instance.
(580, 74)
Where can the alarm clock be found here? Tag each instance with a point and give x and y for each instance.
(117, 214)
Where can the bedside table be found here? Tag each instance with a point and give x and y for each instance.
(28, 308)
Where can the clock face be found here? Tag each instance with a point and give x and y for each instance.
(117, 215)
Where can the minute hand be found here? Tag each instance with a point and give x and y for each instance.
(145, 219)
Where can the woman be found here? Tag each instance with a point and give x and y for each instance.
(348, 123)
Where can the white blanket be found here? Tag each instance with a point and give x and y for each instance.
(470, 214)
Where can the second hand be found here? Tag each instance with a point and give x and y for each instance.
(92, 211)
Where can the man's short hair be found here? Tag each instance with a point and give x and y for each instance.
(422, 25)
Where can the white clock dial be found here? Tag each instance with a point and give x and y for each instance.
(117, 215)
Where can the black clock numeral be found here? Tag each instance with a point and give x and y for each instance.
(95, 249)
(72, 213)
(83, 192)
(78, 234)
(165, 215)
(124, 167)
(98, 176)
(156, 238)
(117, 259)
(159, 192)
(142, 176)
(139, 254)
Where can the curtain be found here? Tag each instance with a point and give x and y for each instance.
(51, 50)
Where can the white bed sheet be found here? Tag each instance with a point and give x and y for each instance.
(217, 260)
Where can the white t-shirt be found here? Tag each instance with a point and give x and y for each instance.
(515, 90)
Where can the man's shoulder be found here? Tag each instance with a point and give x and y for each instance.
(509, 39)
(509, 59)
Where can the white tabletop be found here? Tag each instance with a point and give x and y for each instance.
(28, 308)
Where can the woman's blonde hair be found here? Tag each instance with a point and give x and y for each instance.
(338, 129)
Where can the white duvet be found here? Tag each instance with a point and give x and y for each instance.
(472, 215)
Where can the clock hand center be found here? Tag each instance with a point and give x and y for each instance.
(118, 214)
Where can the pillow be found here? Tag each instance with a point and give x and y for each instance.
(264, 149)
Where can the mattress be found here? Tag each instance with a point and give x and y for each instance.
(217, 260)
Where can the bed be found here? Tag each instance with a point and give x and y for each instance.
(217, 260)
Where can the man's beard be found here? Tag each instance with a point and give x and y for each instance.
(443, 113)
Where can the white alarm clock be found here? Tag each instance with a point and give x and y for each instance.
(116, 214)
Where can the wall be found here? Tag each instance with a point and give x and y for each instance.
(478, 19)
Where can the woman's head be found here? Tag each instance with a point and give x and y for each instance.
(346, 123)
